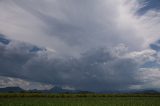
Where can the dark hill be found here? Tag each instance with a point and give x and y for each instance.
(11, 89)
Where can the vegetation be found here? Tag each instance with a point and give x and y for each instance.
(41, 99)
(67, 95)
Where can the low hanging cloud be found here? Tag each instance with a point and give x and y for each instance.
(27, 85)
(97, 69)
(150, 78)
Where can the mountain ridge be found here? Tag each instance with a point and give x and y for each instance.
(58, 90)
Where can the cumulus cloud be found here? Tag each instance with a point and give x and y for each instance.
(144, 56)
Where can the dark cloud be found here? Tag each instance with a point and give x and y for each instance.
(27, 85)
(13, 56)
(97, 69)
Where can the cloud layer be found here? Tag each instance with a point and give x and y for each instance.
(97, 69)
(89, 45)
(79, 25)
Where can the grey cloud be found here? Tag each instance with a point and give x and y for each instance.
(77, 25)
(76, 34)
(27, 85)
(150, 78)
(3, 40)
(97, 69)
(13, 56)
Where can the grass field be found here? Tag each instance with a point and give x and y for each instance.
(74, 100)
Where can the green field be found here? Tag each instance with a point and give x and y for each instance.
(78, 100)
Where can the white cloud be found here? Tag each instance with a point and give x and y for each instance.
(150, 78)
(142, 57)
(79, 25)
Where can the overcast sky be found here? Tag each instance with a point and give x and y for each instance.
(82, 44)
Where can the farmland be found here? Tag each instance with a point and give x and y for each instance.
(36, 99)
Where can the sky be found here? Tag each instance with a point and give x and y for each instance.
(94, 45)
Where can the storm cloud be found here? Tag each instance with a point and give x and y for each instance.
(97, 69)
(88, 44)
